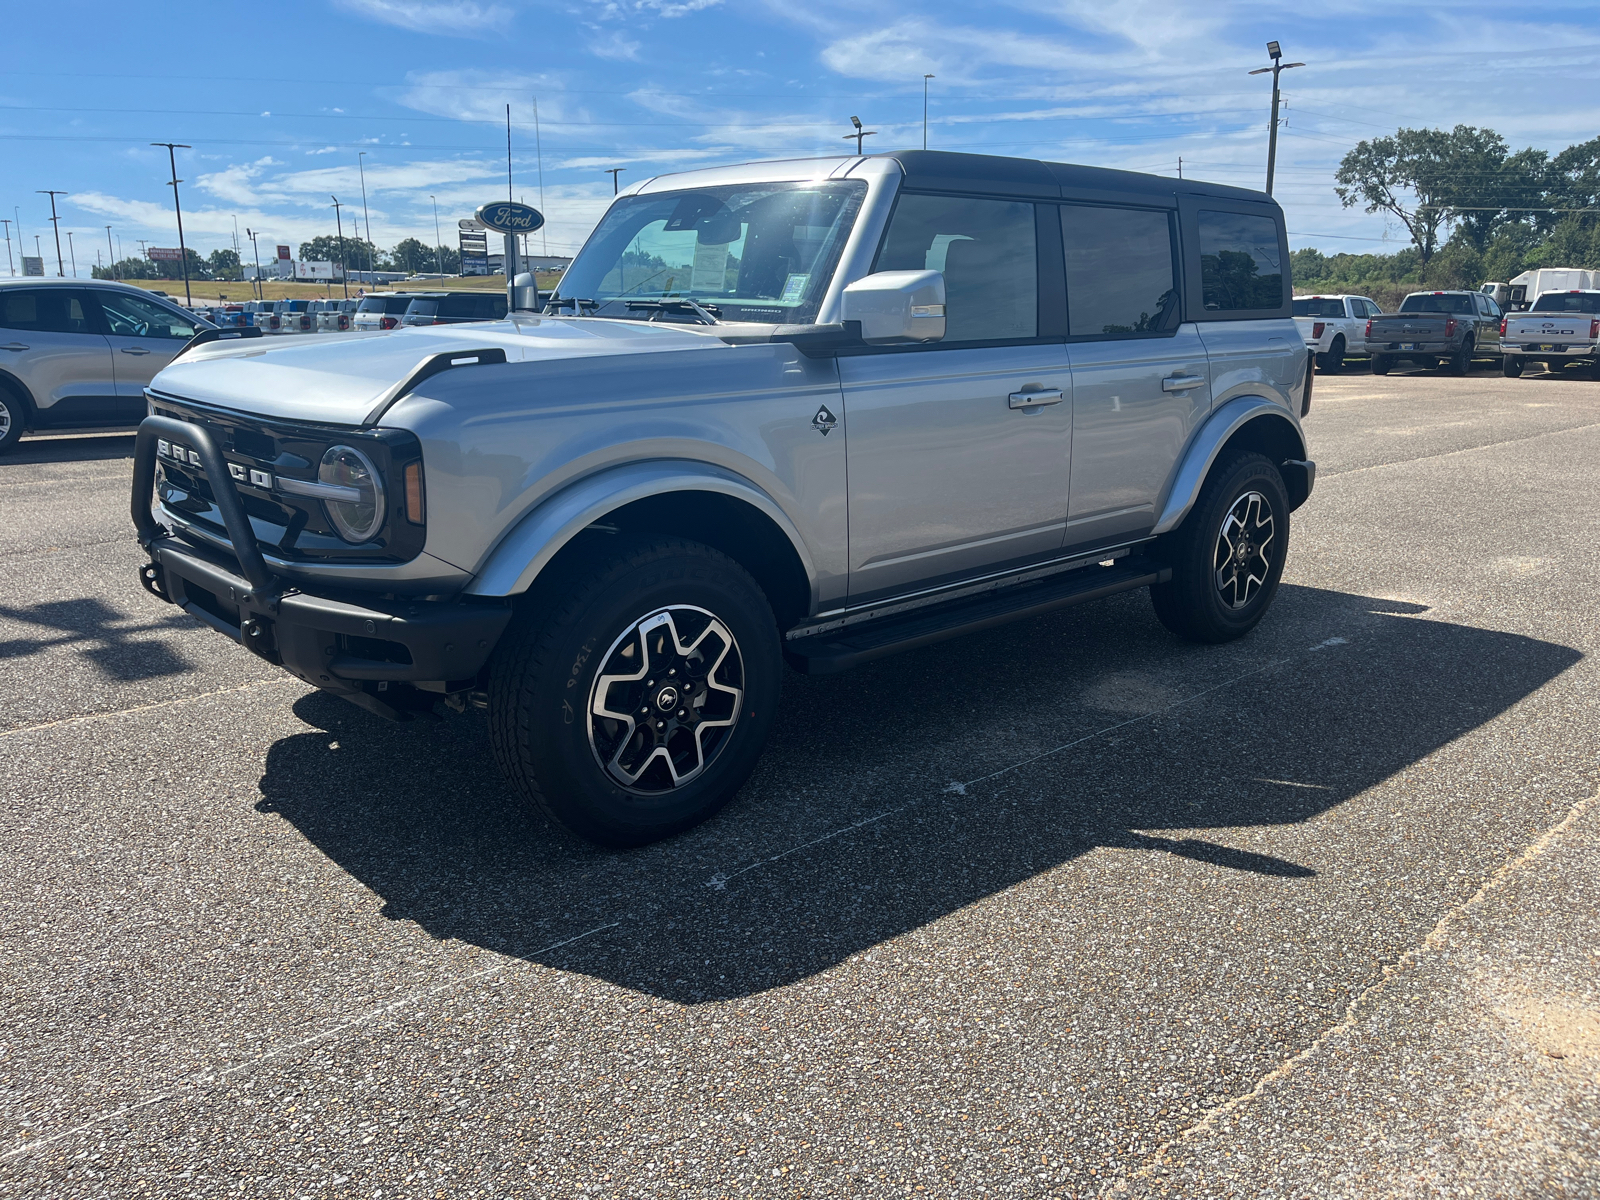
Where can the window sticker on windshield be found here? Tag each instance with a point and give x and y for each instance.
(710, 268)
(794, 289)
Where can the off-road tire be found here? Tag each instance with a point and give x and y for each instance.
(543, 684)
(1192, 604)
(13, 418)
(1332, 363)
(1511, 366)
(1381, 364)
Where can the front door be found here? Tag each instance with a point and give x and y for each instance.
(958, 453)
(49, 341)
(1140, 382)
(145, 336)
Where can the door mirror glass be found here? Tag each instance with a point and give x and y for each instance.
(897, 306)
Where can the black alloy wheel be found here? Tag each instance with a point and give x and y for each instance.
(633, 692)
(1460, 362)
(1333, 361)
(1227, 557)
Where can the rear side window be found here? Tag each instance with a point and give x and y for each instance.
(1241, 263)
(1121, 279)
(423, 308)
(43, 310)
(987, 250)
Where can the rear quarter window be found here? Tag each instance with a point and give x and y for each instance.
(1241, 263)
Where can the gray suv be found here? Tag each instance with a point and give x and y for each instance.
(805, 412)
(77, 354)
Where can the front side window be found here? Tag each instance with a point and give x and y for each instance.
(133, 316)
(987, 251)
(748, 252)
(43, 310)
(1241, 262)
(1120, 272)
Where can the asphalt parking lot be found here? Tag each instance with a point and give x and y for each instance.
(1066, 908)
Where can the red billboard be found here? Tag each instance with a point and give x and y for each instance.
(283, 253)
(163, 254)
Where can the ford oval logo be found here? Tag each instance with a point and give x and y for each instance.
(507, 216)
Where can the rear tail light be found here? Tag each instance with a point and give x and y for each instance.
(1369, 329)
(388, 322)
(1594, 329)
(1502, 327)
(1449, 326)
(1316, 330)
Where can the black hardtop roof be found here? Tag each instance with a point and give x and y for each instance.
(947, 171)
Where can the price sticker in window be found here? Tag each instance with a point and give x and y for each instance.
(794, 289)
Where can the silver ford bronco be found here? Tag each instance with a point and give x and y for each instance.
(811, 412)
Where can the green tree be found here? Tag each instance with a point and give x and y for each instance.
(1402, 175)
(412, 256)
(224, 264)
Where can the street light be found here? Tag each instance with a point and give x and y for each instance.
(183, 251)
(61, 269)
(614, 172)
(925, 79)
(438, 239)
(10, 262)
(1275, 51)
(255, 251)
(366, 216)
(111, 254)
(73, 252)
(344, 271)
(859, 133)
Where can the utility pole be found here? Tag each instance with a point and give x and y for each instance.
(614, 172)
(1276, 53)
(183, 251)
(111, 253)
(925, 79)
(255, 250)
(1180, 166)
(538, 150)
(438, 241)
(362, 167)
(61, 268)
(859, 133)
(510, 197)
(73, 251)
(344, 272)
(10, 262)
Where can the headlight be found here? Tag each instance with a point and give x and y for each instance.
(357, 520)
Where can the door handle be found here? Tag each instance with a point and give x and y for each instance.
(1035, 399)
(1181, 383)
(134, 350)
(13, 346)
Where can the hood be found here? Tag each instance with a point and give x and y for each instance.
(338, 378)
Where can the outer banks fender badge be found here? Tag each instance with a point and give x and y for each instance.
(824, 421)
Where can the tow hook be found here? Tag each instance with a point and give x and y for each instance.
(154, 582)
(256, 635)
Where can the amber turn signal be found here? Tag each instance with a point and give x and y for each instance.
(414, 510)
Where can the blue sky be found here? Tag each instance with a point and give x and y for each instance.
(279, 99)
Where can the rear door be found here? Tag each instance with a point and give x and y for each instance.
(50, 340)
(1140, 382)
(959, 451)
(144, 337)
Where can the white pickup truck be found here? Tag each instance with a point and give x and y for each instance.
(1561, 328)
(1331, 325)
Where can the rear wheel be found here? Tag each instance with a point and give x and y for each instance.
(1460, 362)
(1511, 366)
(634, 702)
(1228, 554)
(1381, 364)
(1333, 361)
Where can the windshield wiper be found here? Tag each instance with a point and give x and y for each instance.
(555, 304)
(709, 314)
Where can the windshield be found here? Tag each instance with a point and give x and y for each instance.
(1438, 304)
(752, 252)
(1319, 308)
(1568, 302)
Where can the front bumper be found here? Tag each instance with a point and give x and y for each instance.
(355, 648)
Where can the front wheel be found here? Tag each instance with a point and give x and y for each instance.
(635, 703)
(11, 420)
(1381, 364)
(1511, 366)
(1228, 554)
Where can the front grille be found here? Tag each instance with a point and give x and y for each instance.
(286, 526)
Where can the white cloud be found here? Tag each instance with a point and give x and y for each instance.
(452, 18)
(616, 47)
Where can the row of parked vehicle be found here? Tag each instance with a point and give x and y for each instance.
(387, 310)
(1453, 329)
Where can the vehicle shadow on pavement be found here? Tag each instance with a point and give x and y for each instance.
(99, 633)
(828, 852)
(87, 448)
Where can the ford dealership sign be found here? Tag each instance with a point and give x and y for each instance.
(506, 216)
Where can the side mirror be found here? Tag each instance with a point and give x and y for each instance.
(897, 306)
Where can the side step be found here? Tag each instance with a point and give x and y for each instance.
(841, 649)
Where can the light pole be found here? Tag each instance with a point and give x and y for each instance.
(111, 253)
(362, 167)
(72, 251)
(183, 251)
(344, 272)
(10, 262)
(255, 252)
(614, 172)
(438, 240)
(859, 133)
(925, 79)
(1276, 51)
(61, 269)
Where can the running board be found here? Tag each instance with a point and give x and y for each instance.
(826, 653)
